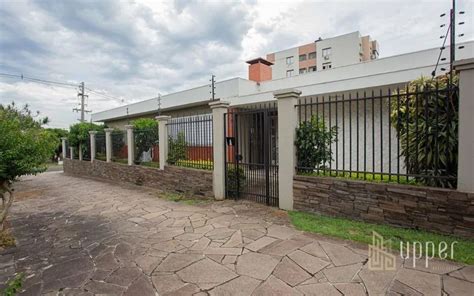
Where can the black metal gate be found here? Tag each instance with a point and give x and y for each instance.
(252, 155)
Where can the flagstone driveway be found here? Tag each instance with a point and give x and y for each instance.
(81, 237)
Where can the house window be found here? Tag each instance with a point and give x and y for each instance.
(327, 66)
(289, 73)
(302, 57)
(289, 60)
(312, 55)
(302, 70)
(326, 52)
(312, 69)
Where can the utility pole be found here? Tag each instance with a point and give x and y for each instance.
(213, 87)
(82, 97)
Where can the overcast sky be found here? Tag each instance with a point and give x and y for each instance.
(133, 50)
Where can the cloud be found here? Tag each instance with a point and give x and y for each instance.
(133, 50)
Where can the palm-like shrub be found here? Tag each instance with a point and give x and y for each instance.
(426, 118)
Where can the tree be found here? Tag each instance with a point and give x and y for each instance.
(428, 129)
(24, 149)
(58, 134)
(146, 135)
(79, 134)
(177, 148)
(313, 142)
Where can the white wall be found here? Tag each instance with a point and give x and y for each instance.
(280, 67)
(224, 89)
(380, 72)
(345, 50)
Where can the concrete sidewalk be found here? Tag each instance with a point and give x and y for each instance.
(82, 237)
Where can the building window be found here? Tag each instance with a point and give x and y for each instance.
(303, 71)
(289, 73)
(327, 66)
(302, 57)
(326, 52)
(289, 60)
(312, 69)
(312, 55)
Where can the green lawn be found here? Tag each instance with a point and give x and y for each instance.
(360, 176)
(362, 232)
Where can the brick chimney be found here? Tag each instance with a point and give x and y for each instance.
(260, 70)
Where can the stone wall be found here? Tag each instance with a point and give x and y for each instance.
(434, 209)
(178, 179)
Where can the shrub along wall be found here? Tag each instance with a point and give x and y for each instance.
(434, 209)
(178, 179)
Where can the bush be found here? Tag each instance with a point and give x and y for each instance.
(235, 180)
(146, 135)
(58, 134)
(79, 134)
(25, 147)
(437, 113)
(313, 142)
(177, 148)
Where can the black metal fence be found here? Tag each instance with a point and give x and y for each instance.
(146, 147)
(100, 148)
(190, 142)
(119, 146)
(86, 149)
(398, 135)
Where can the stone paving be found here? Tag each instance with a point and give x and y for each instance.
(82, 237)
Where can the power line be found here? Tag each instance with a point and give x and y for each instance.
(22, 77)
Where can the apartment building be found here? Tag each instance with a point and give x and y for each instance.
(323, 54)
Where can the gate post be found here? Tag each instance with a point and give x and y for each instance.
(108, 144)
(219, 108)
(130, 144)
(287, 123)
(466, 122)
(63, 140)
(163, 139)
(71, 151)
(92, 140)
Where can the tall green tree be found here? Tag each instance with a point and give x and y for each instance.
(25, 147)
(79, 134)
(146, 135)
(58, 134)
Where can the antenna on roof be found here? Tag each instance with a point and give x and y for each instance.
(158, 100)
(213, 87)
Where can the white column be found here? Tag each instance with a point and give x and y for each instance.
(130, 144)
(63, 140)
(219, 108)
(93, 150)
(287, 123)
(80, 151)
(108, 144)
(163, 139)
(71, 151)
(466, 124)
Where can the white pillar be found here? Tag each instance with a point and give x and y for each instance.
(219, 108)
(71, 151)
(287, 123)
(130, 144)
(466, 124)
(108, 144)
(93, 150)
(63, 140)
(163, 139)
(80, 151)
